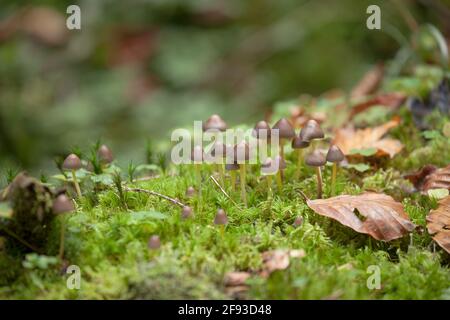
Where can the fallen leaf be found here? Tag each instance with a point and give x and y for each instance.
(369, 82)
(348, 139)
(383, 217)
(390, 100)
(438, 224)
(430, 177)
(278, 259)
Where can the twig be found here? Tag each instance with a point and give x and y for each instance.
(174, 201)
(303, 195)
(221, 189)
(22, 241)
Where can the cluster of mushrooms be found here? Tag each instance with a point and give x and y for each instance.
(306, 138)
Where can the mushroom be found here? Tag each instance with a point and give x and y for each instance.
(190, 192)
(261, 130)
(219, 151)
(298, 222)
(105, 155)
(73, 163)
(221, 220)
(186, 212)
(299, 144)
(280, 165)
(232, 167)
(311, 131)
(215, 122)
(154, 242)
(317, 159)
(62, 204)
(241, 155)
(334, 155)
(286, 132)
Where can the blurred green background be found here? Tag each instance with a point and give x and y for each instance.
(139, 68)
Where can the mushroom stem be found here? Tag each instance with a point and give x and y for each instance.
(75, 182)
(279, 179)
(61, 239)
(219, 168)
(233, 180)
(243, 184)
(281, 148)
(333, 179)
(319, 182)
(299, 163)
(222, 230)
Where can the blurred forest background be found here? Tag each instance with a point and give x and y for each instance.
(139, 68)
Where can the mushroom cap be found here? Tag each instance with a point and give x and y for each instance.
(190, 192)
(281, 164)
(72, 162)
(197, 154)
(219, 150)
(221, 217)
(105, 154)
(335, 154)
(231, 166)
(286, 131)
(311, 131)
(62, 204)
(260, 127)
(315, 159)
(298, 143)
(241, 152)
(186, 212)
(215, 122)
(298, 221)
(154, 242)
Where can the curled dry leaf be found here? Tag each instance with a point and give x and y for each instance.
(383, 217)
(390, 100)
(348, 139)
(278, 260)
(430, 177)
(369, 82)
(438, 224)
(236, 278)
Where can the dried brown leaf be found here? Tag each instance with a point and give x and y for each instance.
(384, 218)
(278, 259)
(430, 177)
(438, 224)
(369, 82)
(236, 278)
(348, 139)
(390, 100)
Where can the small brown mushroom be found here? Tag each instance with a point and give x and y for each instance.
(285, 132)
(215, 122)
(261, 130)
(311, 131)
(105, 154)
(299, 144)
(298, 222)
(334, 155)
(73, 163)
(190, 192)
(186, 212)
(154, 242)
(221, 220)
(316, 159)
(268, 169)
(62, 204)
